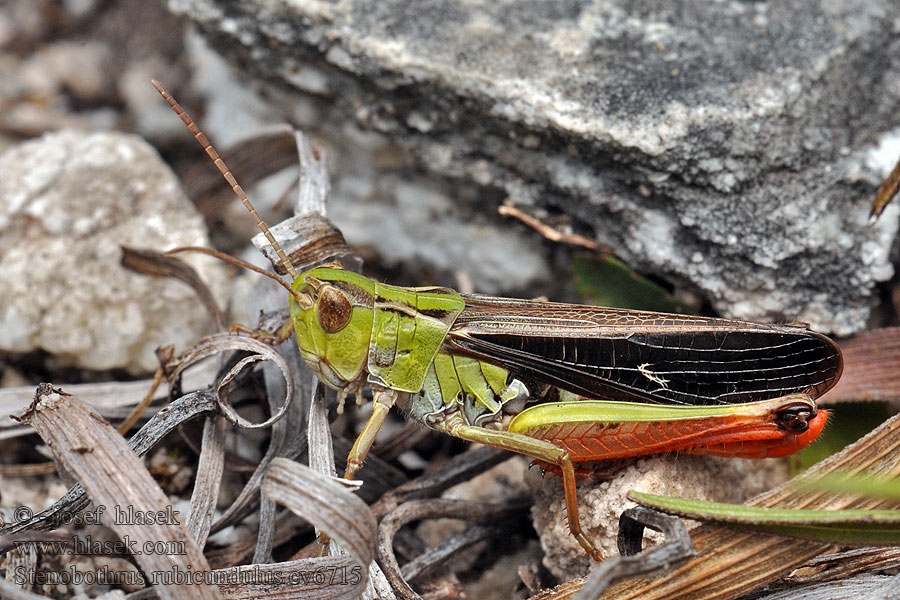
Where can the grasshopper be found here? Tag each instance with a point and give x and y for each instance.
(563, 384)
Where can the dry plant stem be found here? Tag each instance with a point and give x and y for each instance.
(735, 563)
(158, 377)
(136, 413)
(886, 193)
(111, 400)
(549, 232)
(93, 452)
(28, 470)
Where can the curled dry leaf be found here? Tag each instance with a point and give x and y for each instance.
(222, 342)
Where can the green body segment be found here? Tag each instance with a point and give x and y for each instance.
(410, 325)
(459, 378)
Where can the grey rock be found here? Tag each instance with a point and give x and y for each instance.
(68, 200)
(723, 146)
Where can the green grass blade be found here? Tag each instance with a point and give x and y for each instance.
(855, 527)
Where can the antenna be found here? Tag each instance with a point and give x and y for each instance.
(223, 169)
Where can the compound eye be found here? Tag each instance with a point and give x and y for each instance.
(334, 309)
(795, 417)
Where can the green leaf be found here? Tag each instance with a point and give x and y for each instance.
(607, 281)
(856, 527)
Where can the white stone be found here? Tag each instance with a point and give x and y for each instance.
(68, 200)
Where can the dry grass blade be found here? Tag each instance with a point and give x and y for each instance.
(308, 240)
(223, 342)
(113, 477)
(844, 564)
(414, 510)
(233, 342)
(328, 505)
(157, 264)
(253, 158)
(735, 563)
(866, 586)
(871, 364)
(314, 181)
(113, 400)
(163, 423)
(209, 479)
(318, 432)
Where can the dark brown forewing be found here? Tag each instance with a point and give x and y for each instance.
(627, 355)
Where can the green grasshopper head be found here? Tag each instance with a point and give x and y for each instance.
(331, 310)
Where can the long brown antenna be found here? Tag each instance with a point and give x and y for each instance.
(301, 298)
(223, 169)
